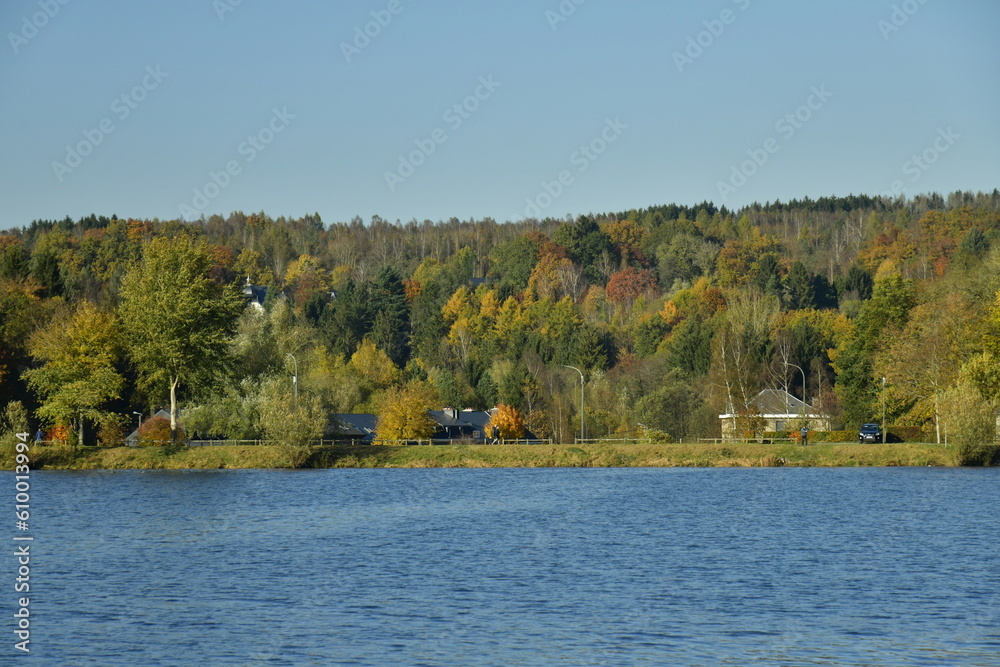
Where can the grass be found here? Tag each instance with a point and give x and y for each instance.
(743, 455)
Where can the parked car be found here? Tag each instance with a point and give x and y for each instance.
(870, 433)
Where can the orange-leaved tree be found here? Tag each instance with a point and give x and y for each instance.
(508, 421)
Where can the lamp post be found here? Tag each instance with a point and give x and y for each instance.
(140, 417)
(883, 409)
(295, 380)
(803, 391)
(582, 405)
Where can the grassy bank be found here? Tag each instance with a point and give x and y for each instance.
(509, 456)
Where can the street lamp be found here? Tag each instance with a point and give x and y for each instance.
(582, 405)
(803, 390)
(883, 409)
(295, 380)
(140, 417)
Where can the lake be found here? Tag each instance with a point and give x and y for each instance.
(782, 566)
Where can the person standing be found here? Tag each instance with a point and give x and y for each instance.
(805, 435)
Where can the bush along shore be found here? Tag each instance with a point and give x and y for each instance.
(513, 456)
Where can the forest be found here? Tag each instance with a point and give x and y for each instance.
(674, 314)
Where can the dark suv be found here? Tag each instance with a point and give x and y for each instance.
(870, 433)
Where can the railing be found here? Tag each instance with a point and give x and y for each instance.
(461, 441)
(761, 440)
(358, 443)
(216, 443)
(607, 441)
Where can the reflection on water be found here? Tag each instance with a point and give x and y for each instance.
(516, 567)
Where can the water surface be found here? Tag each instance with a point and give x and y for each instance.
(516, 567)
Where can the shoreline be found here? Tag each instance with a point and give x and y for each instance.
(615, 455)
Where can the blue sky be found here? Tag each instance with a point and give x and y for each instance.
(174, 109)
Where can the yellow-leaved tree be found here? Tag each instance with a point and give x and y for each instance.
(77, 377)
(403, 414)
(508, 422)
(374, 367)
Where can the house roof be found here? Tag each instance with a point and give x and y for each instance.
(360, 425)
(778, 403)
(452, 424)
(255, 293)
(452, 417)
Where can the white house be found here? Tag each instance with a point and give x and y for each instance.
(776, 410)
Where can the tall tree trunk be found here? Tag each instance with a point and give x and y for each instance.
(173, 409)
(937, 419)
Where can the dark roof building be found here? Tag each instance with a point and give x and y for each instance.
(357, 426)
(452, 424)
(456, 424)
(255, 294)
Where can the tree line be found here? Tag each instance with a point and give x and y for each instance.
(675, 314)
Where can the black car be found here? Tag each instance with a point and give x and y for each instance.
(870, 433)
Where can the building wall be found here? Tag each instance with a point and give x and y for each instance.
(772, 422)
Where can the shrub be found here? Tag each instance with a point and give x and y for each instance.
(58, 435)
(156, 431)
(292, 425)
(972, 424)
(13, 420)
(111, 432)
(904, 434)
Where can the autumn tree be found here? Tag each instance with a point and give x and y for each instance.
(972, 424)
(741, 353)
(403, 414)
(628, 284)
(921, 362)
(738, 261)
(178, 321)
(374, 367)
(79, 351)
(20, 309)
(508, 422)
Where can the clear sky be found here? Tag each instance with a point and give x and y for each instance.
(564, 106)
